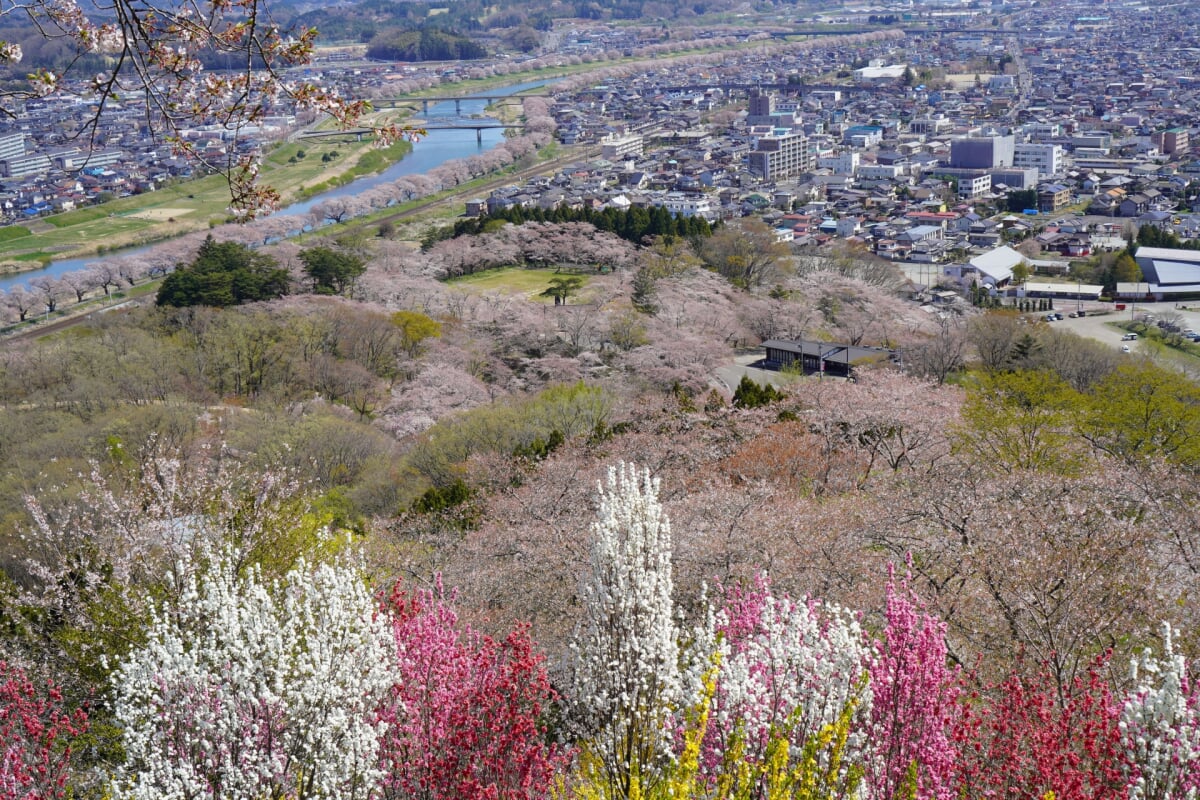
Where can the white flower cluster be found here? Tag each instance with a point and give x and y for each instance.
(794, 673)
(1161, 726)
(249, 690)
(627, 676)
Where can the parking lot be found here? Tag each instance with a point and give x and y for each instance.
(1098, 322)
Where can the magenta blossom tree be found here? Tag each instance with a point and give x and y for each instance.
(914, 703)
(33, 726)
(465, 714)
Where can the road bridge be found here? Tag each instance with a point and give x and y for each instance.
(479, 126)
(907, 30)
(396, 102)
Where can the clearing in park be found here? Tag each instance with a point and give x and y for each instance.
(513, 280)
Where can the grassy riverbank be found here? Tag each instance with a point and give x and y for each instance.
(297, 170)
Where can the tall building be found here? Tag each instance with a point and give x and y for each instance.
(12, 146)
(761, 104)
(1171, 141)
(1047, 159)
(778, 157)
(982, 152)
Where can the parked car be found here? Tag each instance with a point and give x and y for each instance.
(1129, 337)
(1124, 348)
(1057, 315)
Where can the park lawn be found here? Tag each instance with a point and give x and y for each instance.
(69, 218)
(513, 280)
(106, 231)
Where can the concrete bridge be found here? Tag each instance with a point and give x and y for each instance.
(425, 101)
(479, 126)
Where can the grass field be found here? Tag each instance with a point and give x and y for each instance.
(512, 280)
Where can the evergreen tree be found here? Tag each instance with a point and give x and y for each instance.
(331, 271)
(224, 274)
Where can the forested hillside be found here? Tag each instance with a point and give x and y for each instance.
(450, 534)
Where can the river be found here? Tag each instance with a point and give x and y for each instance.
(432, 150)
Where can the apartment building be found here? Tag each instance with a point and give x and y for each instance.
(778, 157)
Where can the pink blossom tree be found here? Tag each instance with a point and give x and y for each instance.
(33, 726)
(792, 672)
(465, 714)
(914, 704)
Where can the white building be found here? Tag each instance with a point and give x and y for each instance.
(881, 172)
(840, 163)
(25, 165)
(617, 149)
(1047, 159)
(974, 185)
(995, 268)
(891, 72)
(688, 205)
(12, 146)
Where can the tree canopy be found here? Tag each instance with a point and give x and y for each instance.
(224, 274)
(331, 271)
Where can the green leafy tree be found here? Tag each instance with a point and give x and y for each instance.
(1141, 411)
(1020, 420)
(224, 274)
(1020, 199)
(748, 254)
(332, 271)
(1021, 273)
(415, 328)
(1126, 270)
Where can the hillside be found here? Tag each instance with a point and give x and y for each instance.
(454, 419)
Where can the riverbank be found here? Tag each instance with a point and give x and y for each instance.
(298, 171)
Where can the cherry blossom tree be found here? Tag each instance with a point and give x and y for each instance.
(465, 711)
(80, 282)
(105, 276)
(34, 721)
(22, 301)
(253, 688)
(49, 291)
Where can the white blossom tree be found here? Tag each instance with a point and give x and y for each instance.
(249, 689)
(1161, 726)
(627, 676)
